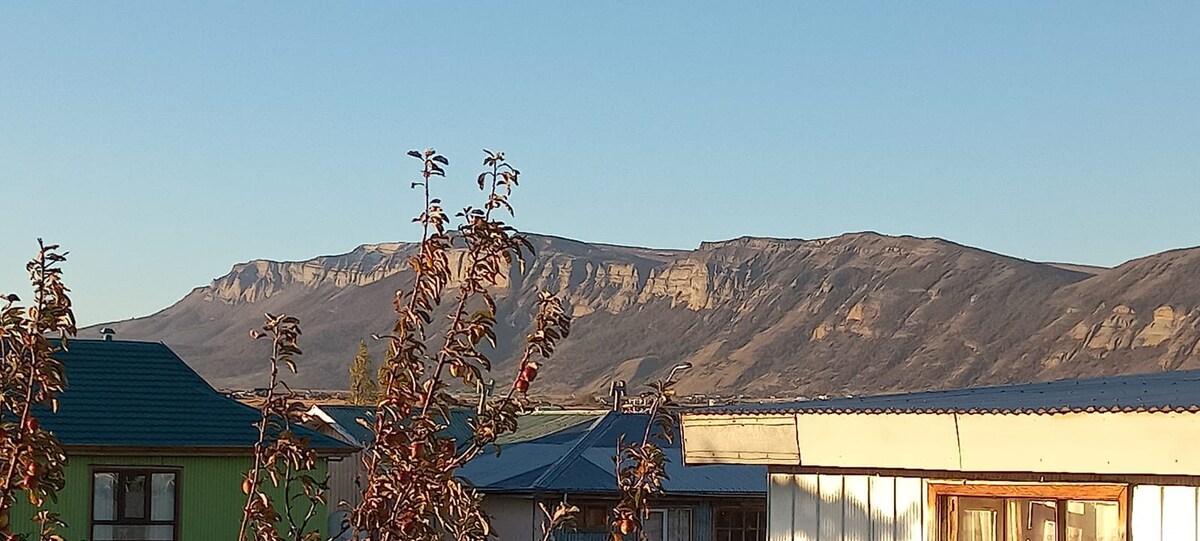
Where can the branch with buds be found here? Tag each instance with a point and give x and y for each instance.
(641, 466)
(31, 459)
(412, 492)
(281, 458)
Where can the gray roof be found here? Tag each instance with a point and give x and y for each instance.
(1159, 392)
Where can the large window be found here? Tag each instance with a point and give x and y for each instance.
(1031, 512)
(673, 524)
(135, 505)
(670, 524)
(740, 524)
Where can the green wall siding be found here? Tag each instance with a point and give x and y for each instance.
(210, 495)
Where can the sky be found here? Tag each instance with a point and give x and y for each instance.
(162, 142)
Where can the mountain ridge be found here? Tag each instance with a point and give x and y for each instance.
(855, 313)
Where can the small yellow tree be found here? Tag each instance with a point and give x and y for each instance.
(364, 391)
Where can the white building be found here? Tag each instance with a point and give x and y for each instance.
(1103, 459)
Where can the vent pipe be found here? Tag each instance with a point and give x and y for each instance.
(617, 392)
(108, 333)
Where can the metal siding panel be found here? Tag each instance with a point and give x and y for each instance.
(883, 508)
(568, 535)
(829, 510)
(780, 494)
(1146, 513)
(805, 521)
(856, 508)
(704, 522)
(910, 509)
(344, 480)
(1179, 514)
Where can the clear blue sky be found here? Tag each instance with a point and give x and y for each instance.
(176, 139)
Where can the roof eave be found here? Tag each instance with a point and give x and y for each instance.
(165, 450)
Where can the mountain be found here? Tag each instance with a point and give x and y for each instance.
(852, 314)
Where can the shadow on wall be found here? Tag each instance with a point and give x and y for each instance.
(811, 507)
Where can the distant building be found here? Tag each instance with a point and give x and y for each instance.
(576, 464)
(559, 454)
(1106, 459)
(153, 451)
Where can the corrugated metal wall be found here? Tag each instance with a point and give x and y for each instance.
(1164, 513)
(345, 476)
(211, 497)
(703, 530)
(582, 536)
(811, 507)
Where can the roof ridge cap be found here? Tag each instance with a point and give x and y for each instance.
(560, 466)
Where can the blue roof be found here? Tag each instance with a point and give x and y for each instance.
(350, 421)
(1159, 392)
(579, 460)
(347, 420)
(126, 394)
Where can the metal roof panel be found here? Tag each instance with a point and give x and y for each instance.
(1157, 392)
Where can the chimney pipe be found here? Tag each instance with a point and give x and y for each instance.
(617, 392)
(108, 333)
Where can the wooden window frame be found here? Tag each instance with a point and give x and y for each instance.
(1118, 493)
(149, 472)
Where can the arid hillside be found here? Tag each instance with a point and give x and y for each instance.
(852, 314)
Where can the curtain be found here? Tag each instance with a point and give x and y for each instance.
(977, 525)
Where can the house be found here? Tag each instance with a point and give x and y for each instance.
(576, 464)
(557, 454)
(153, 451)
(1104, 459)
(351, 424)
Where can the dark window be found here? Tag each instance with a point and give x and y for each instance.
(739, 524)
(593, 517)
(134, 505)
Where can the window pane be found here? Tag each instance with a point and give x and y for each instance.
(654, 526)
(135, 495)
(680, 528)
(1093, 521)
(104, 502)
(162, 497)
(979, 519)
(1032, 520)
(110, 532)
(977, 525)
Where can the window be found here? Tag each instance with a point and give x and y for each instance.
(1030, 512)
(666, 524)
(739, 524)
(592, 517)
(674, 524)
(130, 504)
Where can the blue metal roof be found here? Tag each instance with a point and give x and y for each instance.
(1158, 392)
(141, 395)
(582, 463)
(350, 420)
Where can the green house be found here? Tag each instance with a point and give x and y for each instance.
(154, 452)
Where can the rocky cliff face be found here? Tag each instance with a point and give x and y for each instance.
(850, 314)
(257, 280)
